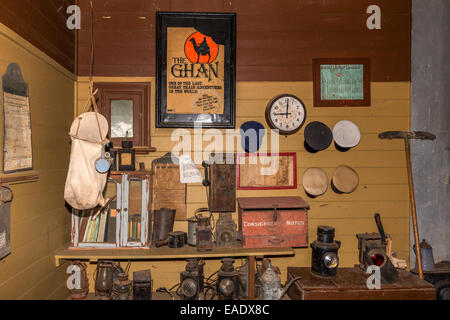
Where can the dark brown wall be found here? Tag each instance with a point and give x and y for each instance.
(43, 24)
(276, 39)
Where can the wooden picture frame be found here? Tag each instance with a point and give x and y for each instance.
(193, 49)
(330, 91)
(140, 94)
(248, 177)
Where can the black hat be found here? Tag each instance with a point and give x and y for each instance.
(317, 136)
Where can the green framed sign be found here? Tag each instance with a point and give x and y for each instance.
(341, 82)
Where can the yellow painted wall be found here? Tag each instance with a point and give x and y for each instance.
(39, 220)
(381, 166)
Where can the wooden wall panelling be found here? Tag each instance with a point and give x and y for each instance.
(276, 40)
(381, 166)
(124, 37)
(43, 24)
(40, 222)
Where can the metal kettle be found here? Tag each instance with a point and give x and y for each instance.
(426, 251)
(270, 285)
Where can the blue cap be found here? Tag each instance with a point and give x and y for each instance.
(252, 134)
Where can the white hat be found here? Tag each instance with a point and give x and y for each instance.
(346, 134)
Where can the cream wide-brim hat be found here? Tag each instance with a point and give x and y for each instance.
(315, 181)
(345, 179)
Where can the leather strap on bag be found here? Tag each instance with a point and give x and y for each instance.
(91, 102)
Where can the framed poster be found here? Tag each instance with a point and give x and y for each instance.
(195, 69)
(341, 82)
(17, 146)
(265, 171)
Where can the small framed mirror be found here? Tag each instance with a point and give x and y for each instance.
(126, 106)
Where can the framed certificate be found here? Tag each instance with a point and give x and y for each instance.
(195, 69)
(267, 171)
(17, 146)
(341, 82)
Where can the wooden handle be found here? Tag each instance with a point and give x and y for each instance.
(413, 207)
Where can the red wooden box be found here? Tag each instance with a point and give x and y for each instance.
(273, 222)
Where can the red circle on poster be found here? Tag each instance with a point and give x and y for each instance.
(200, 48)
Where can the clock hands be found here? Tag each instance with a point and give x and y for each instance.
(286, 113)
(287, 108)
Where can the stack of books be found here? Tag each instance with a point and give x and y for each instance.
(100, 229)
(134, 227)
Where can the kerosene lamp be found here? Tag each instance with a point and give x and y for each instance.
(103, 276)
(203, 233)
(228, 281)
(191, 280)
(81, 288)
(325, 258)
(122, 286)
(225, 230)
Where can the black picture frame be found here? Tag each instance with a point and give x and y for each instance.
(222, 28)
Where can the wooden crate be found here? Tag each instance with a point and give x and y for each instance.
(273, 222)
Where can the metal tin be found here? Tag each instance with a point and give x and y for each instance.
(426, 251)
(177, 239)
(191, 236)
(142, 285)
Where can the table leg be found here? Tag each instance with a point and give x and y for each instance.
(251, 277)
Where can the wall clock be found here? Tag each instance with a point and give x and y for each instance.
(287, 113)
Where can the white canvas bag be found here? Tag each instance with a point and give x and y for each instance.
(84, 185)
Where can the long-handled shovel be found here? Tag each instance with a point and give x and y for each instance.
(407, 136)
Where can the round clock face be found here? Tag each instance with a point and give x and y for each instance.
(287, 113)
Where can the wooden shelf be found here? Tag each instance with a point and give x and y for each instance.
(164, 253)
(160, 296)
(19, 177)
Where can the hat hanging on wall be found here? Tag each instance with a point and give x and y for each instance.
(318, 136)
(315, 182)
(344, 180)
(346, 135)
(252, 135)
